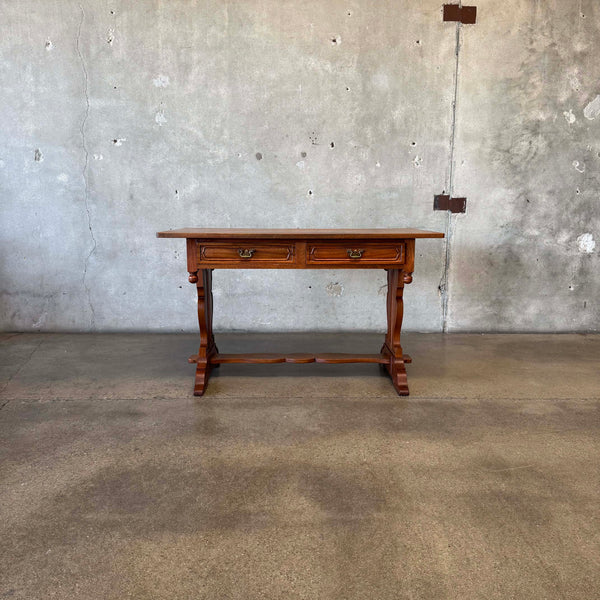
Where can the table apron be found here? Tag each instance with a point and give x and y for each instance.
(300, 254)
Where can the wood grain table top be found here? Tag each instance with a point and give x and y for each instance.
(306, 234)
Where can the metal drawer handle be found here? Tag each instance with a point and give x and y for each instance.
(246, 253)
(355, 253)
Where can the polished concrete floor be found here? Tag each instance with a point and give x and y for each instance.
(300, 481)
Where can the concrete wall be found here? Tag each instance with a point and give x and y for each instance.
(123, 118)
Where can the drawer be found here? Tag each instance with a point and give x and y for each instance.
(245, 253)
(354, 254)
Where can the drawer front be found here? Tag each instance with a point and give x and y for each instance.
(355, 254)
(245, 254)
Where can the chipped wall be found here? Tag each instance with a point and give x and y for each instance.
(125, 118)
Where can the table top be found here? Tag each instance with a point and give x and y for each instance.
(313, 234)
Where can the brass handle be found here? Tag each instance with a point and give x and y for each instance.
(355, 253)
(246, 253)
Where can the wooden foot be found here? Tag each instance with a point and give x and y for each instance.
(399, 380)
(202, 375)
(395, 368)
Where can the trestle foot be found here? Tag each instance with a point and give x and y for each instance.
(201, 381)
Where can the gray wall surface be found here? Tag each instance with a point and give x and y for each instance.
(124, 118)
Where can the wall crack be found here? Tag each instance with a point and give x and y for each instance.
(85, 170)
(449, 231)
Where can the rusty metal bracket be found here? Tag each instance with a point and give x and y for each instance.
(466, 15)
(454, 205)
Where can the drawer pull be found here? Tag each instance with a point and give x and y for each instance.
(246, 253)
(355, 253)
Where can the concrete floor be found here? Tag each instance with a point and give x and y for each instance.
(300, 481)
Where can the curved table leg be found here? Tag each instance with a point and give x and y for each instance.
(203, 281)
(391, 347)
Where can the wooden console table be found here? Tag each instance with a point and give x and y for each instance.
(389, 249)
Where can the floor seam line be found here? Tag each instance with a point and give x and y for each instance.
(27, 361)
(254, 399)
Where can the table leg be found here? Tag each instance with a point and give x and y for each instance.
(391, 347)
(203, 281)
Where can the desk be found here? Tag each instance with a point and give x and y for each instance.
(389, 249)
